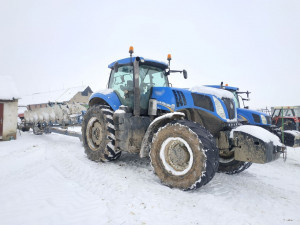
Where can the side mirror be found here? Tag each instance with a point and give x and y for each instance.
(184, 74)
(116, 67)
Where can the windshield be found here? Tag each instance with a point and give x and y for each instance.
(288, 112)
(122, 83)
(152, 77)
(297, 112)
(285, 112)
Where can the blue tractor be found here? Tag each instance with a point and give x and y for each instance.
(189, 134)
(257, 118)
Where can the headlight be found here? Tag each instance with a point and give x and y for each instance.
(219, 108)
(263, 119)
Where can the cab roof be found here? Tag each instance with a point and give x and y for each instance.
(224, 87)
(152, 62)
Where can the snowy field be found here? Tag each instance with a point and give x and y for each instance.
(48, 179)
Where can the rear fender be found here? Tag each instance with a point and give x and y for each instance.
(107, 97)
(153, 128)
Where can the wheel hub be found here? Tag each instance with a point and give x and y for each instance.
(176, 156)
(94, 133)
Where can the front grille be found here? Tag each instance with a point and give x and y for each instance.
(180, 98)
(203, 101)
(229, 103)
(256, 118)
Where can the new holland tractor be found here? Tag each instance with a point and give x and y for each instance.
(290, 137)
(189, 134)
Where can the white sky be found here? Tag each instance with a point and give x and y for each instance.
(255, 45)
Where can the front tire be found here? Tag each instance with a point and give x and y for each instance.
(184, 155)
(228, 165)
(98, 134)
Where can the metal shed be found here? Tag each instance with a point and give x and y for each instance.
(8, 108)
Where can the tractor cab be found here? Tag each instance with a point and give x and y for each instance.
(151, 74)
(133, 79)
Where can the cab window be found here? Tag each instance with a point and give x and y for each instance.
(122, 83)
(276, 112)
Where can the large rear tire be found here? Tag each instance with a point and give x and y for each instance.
(184, 155)
(98, 134)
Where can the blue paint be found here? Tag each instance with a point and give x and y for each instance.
(111, 98)
(245, 113)
(166, 96)
(130, 60)
(224, 87)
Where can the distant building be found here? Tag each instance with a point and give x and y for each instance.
(79, 94)
(8, 109)
(82, 96)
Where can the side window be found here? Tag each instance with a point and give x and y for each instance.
(122, 83)
(159, 79)
(297, 112)
(236, 100)
(276, 112)
(289, 113)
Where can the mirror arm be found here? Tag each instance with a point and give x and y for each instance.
(175, 71)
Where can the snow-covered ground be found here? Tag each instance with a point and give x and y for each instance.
(48, 179)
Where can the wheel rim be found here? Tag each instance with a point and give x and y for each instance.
(176, 156)
(94, 133)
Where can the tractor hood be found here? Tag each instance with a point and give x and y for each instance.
(217, 102)
(253, 117)
(220, 93)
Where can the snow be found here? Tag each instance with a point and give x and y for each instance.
(167, 116)
(62, 95)
(47, 179)
(259, 133)
(293, 132)
(220, 93)
(120, 111)
(105, 91)
(8, 90)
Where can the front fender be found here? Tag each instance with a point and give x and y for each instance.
(153, 128)
(105, 96)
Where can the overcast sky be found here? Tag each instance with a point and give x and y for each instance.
(255, 45)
